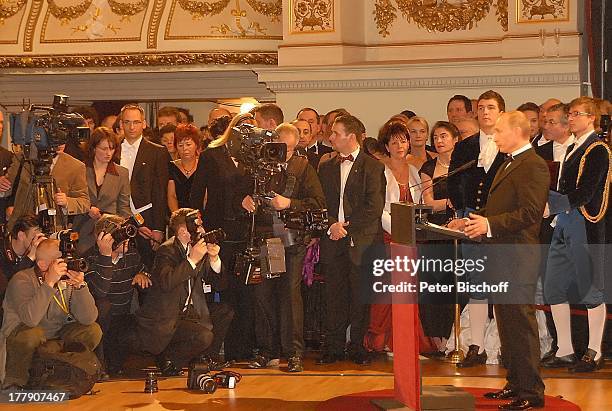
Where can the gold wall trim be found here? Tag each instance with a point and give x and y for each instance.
(430, 43)
(28, 35)
(154, 22)
(16, 41)
(138, 59)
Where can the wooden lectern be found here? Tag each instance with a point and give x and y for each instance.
(409, 224)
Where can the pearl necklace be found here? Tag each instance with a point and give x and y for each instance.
(442, 164)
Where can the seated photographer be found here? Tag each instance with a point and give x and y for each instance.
(279, 300)
(44, 302)
(71, 196)
(174, 323)
(114, 272)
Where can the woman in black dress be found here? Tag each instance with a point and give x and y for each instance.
(181, 171)
(437, 310)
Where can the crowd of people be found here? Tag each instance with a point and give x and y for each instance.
(169, 293)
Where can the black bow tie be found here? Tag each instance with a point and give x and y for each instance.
(312, 149)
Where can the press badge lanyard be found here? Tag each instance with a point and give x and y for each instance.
(63, 304)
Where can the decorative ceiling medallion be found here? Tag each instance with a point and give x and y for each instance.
(438, 15)
(134, 59)
(312, 16)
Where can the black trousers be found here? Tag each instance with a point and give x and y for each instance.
(344, 297)
(280, 310)
(221, 315)
(190, 339)
(240, 338)
(518, 333)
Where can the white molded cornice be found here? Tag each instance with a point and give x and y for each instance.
(435, 75)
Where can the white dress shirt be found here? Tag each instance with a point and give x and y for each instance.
(128, 159)
(345, 169)
(577, 143)
(488, 150)
(559, 149)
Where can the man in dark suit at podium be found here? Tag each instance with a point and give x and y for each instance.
(354, 188)
(513, 215)
(468, 192)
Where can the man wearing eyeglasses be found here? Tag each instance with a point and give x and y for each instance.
(147, 164)
(576, 253)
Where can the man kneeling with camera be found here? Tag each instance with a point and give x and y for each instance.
(174, 324)
(47, 301)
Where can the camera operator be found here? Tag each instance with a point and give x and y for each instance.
(174, 323)
(279, 300)
(114, 272)
(40, 305)
(71, 195)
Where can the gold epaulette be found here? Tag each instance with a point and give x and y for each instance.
(606, 195)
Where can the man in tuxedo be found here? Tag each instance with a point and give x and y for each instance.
(147, 164)
(468, 192)
(576, 256)
(556, 131)
(354, 188)
(540, 138)
(513, 215)
(316, 145)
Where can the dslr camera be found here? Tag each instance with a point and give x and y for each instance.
(193, 222)
(68, 240)
(199, 379)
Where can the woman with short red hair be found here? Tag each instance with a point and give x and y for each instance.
(187, 143)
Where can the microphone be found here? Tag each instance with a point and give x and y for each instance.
(444, 177)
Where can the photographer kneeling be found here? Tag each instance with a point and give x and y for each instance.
(279, 300)
(115, 270)
(44, 302)
(174, 323)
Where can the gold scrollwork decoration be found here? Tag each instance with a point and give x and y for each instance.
(143, 59)
(384, 16)
(65, 14)
(199, 9)
(501, 11)
(10, 8)
(273, 9)
(445, 16)
(126, 10)
(438, 16)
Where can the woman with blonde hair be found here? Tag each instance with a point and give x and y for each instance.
(418, 129)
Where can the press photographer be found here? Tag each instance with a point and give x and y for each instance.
(175, 323)
(115, 270)
(44, 179)
(42, 303)
(279, 299)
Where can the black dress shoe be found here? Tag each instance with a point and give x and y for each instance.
(329, 358)
(567, 361)
(361, 358)
(168, 369)
(503, 394)
(520, 404)
(472, 358)
(294, 364)
(549, 355)
(587, 363)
